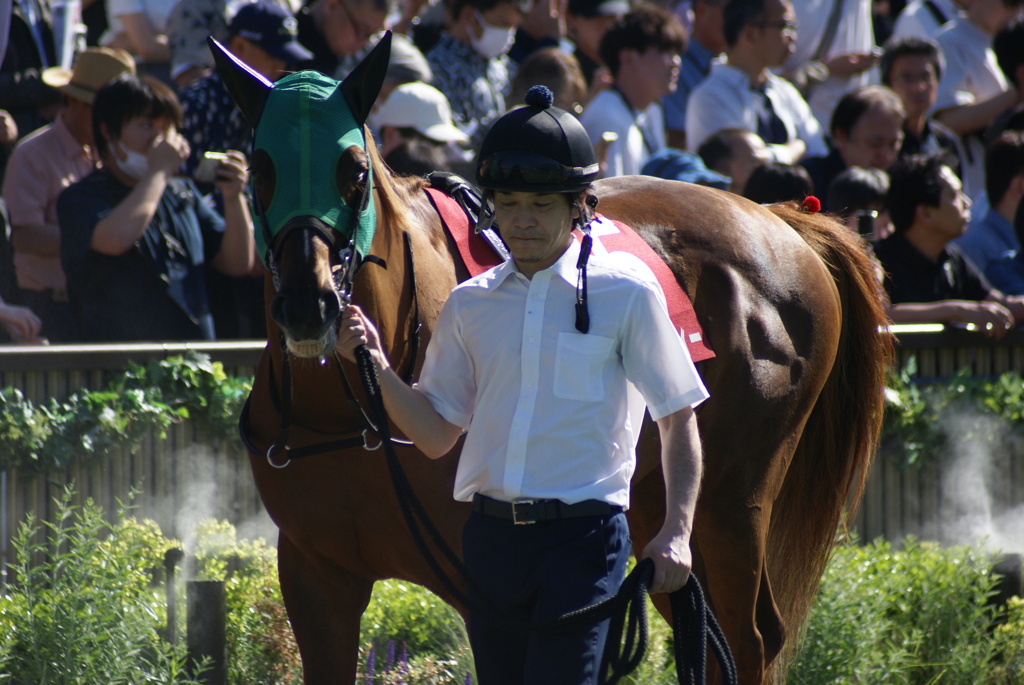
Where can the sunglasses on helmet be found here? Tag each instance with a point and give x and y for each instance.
(530, 168)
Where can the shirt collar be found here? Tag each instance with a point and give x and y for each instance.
(457, 48)
(1003, 227)
(72, 148)
(700, 54)
(734, 77)
(565, 266)
(971, 30)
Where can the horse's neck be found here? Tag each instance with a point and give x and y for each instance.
(405, 297)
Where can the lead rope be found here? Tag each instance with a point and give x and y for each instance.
(693, 621)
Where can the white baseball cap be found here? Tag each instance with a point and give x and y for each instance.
(421, 107)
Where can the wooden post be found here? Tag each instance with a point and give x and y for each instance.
(172, 558)
(207, 629)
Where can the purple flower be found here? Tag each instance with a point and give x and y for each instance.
(391, 656)
(371, 668)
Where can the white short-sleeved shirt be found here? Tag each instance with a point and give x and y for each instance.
(546, 407)
(971, 75)
(641, 134)
(854, 34)
(725, 100)
(156, 12)
(918, 20)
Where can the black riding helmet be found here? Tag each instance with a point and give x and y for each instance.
(537, 148)
(542, 149)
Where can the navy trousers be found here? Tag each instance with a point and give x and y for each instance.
(539, 572)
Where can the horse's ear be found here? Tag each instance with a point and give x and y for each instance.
(248, 88)
(362, 86)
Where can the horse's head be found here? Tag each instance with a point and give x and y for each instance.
(312, 186)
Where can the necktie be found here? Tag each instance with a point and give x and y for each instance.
(34, 19)
(769, 125)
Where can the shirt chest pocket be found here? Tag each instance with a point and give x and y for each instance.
(580, 361)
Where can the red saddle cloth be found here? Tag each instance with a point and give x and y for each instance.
(609, 236)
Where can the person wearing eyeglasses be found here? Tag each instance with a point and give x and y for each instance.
(470, 61)
(539, 385)
(334, 30)
(743, 92)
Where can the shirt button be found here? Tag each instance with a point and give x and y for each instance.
(530, 339)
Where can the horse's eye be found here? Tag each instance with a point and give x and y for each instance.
(351, 175)
(264, 177)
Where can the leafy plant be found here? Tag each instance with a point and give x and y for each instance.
(91, 425)
(917, 415)
(916, 615)
(407, 613)
(87, 612)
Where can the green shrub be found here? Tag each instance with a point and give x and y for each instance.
(402, 614)
(88, 611)
(915, 615)
(91, 425)
(915, 429)
(406, 617)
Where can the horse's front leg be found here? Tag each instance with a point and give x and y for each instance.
(324, 607)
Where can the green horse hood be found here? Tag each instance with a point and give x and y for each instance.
(303, 124)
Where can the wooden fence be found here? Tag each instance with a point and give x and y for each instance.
(180, 480)
(177, 480)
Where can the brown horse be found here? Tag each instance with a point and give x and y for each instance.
(788, 301)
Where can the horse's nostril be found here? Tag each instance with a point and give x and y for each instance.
(305, 318)
(330, 306)
(277, 310)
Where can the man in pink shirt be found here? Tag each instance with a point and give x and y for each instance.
(43, 164)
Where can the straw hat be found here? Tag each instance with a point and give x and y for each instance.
(94, 68)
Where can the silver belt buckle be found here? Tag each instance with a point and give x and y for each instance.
(525, 520)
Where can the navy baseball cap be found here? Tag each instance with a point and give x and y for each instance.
(271, 27)
(676, 165)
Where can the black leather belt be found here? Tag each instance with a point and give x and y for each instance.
(527, 511)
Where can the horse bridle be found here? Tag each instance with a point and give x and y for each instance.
(343, 277)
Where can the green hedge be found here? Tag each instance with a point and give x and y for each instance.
(916, 413)
(90, 425)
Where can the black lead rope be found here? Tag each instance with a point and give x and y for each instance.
(694, 623)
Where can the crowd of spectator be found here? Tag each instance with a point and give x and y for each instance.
(903, 118)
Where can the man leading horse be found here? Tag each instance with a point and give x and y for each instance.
(534, 360)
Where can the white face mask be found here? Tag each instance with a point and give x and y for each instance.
(495, 40)
(134, 163)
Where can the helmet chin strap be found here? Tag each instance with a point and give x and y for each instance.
(586, 212)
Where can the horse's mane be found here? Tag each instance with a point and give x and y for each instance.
(394, 193)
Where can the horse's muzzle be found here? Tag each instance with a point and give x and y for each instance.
(308, 320)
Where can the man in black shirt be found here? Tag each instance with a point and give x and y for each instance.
(927, 279)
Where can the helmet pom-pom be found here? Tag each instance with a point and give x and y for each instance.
(540, 97)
